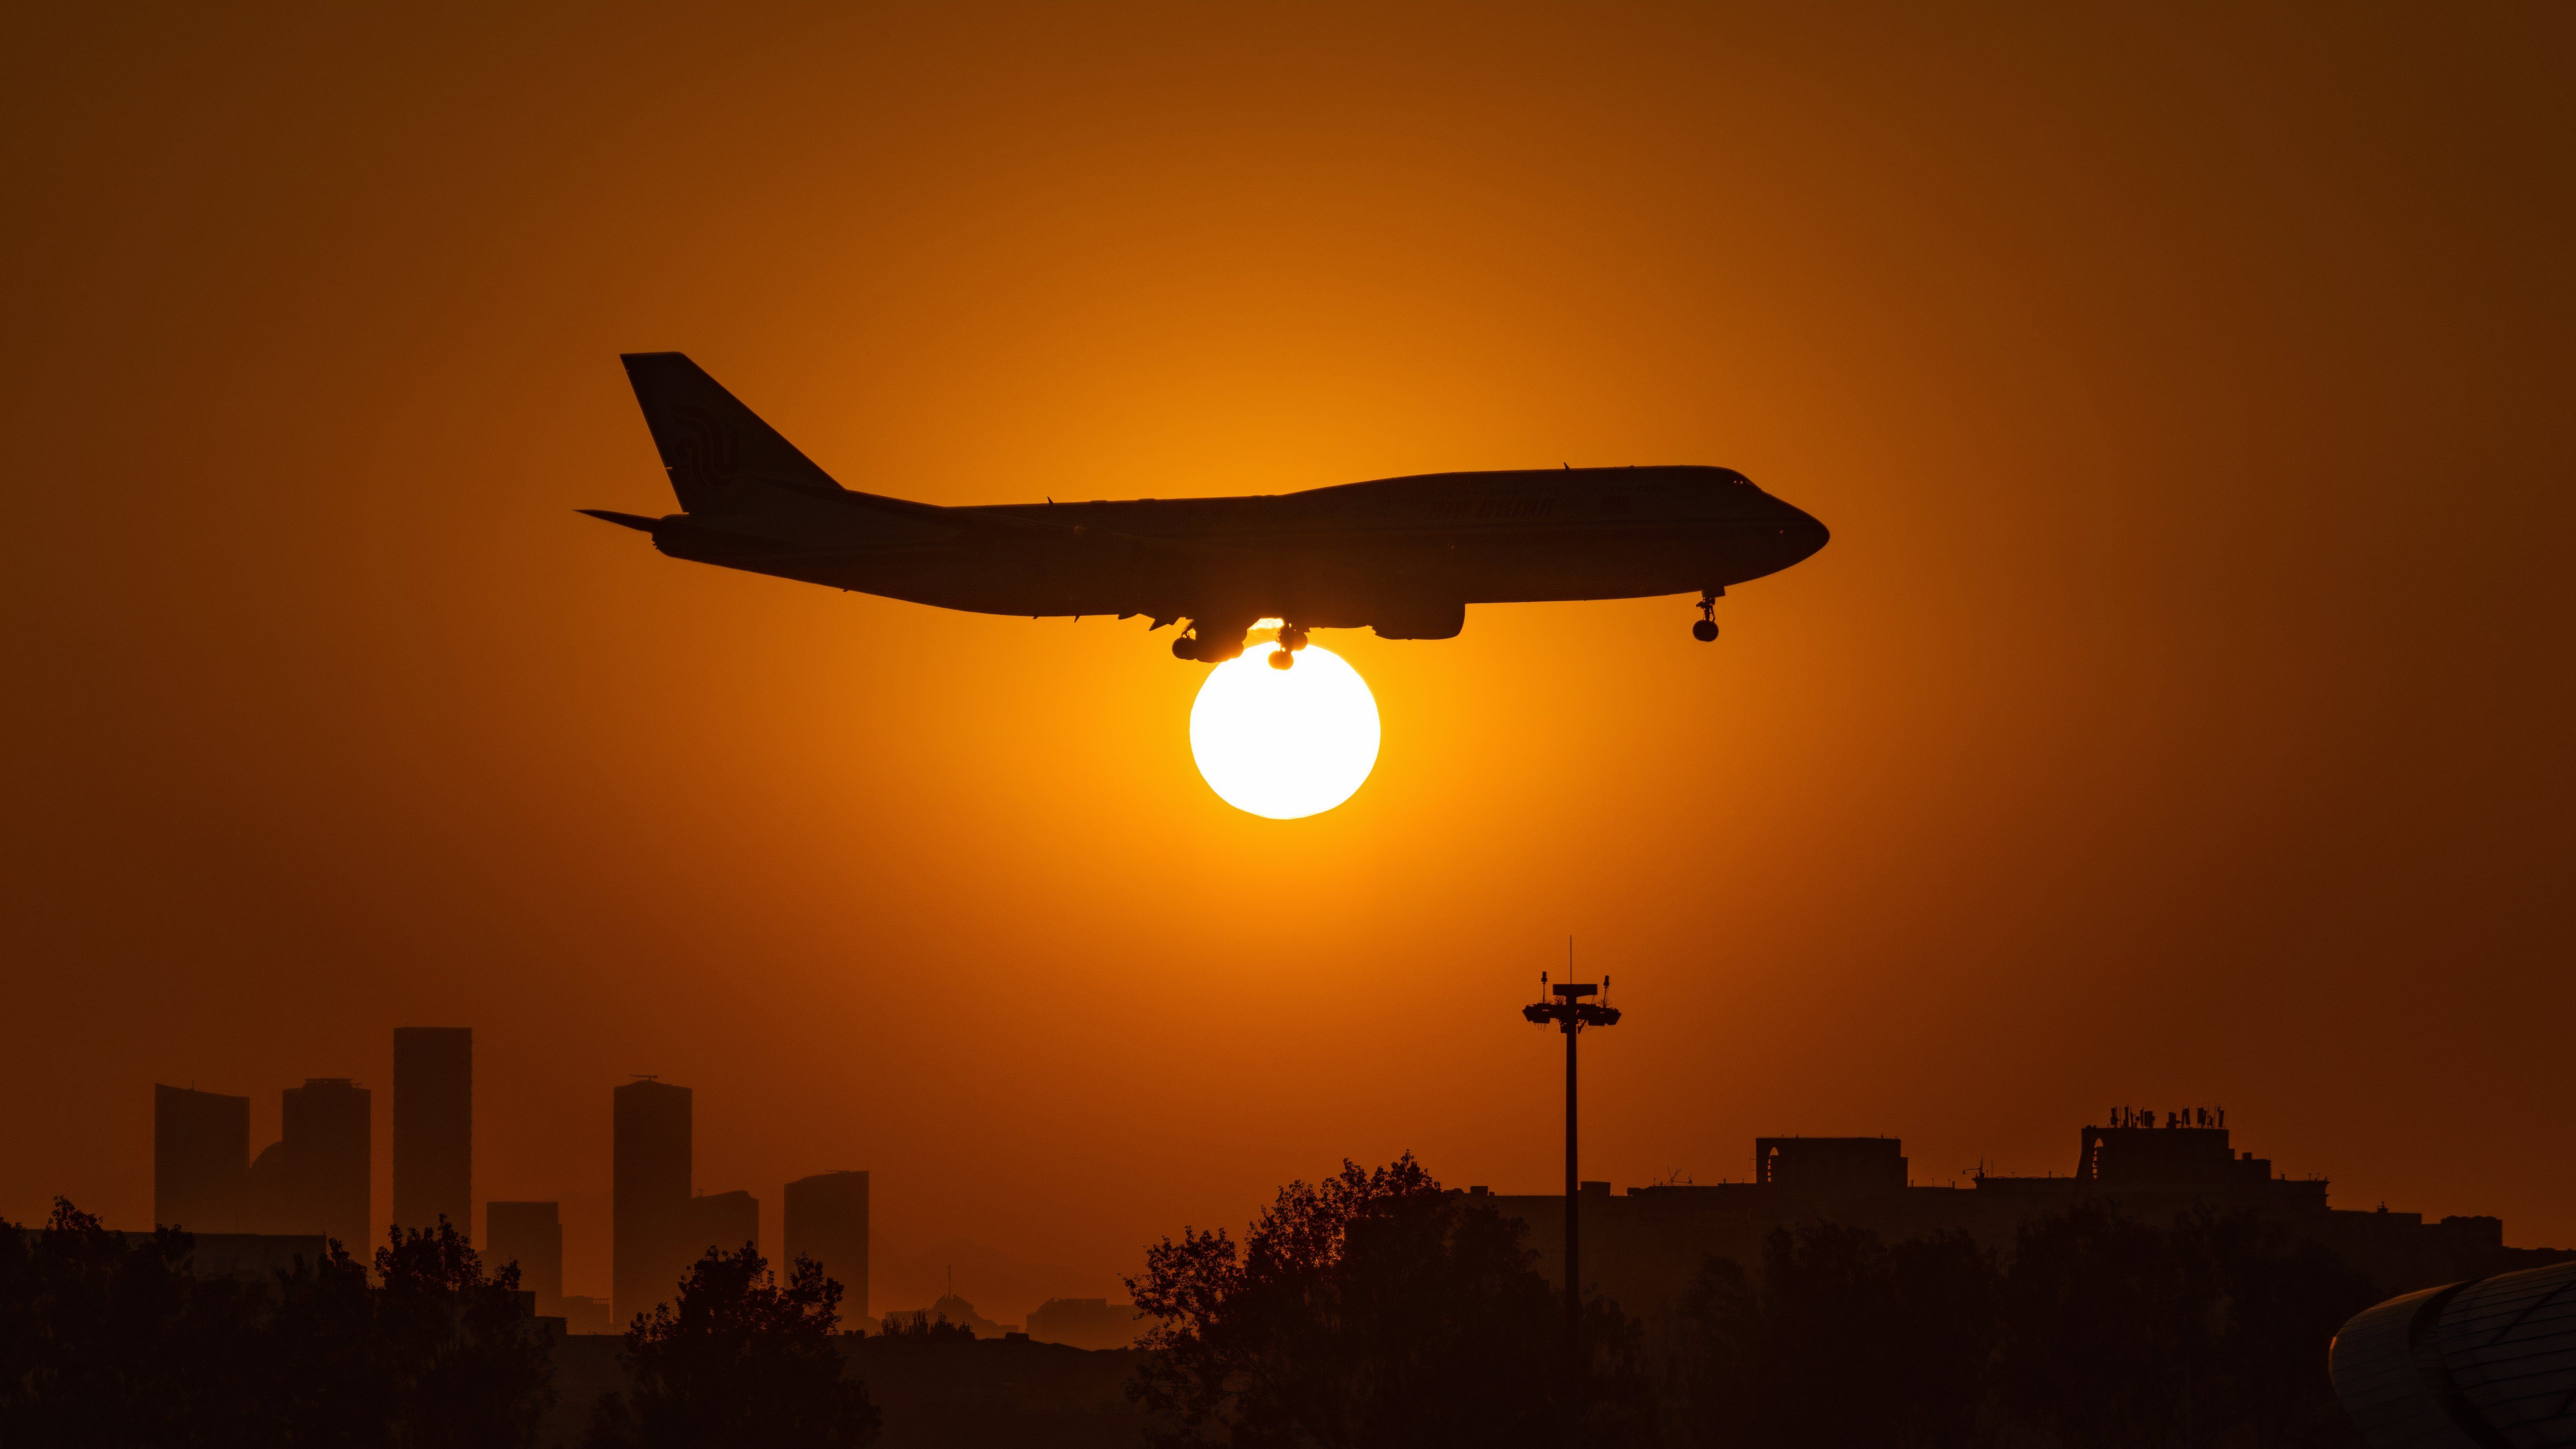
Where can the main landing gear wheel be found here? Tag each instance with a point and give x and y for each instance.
(1291, 639)
(1214, 644)
(1705, 631)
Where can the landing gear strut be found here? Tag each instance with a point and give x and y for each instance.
(1705, 631)
(1291, 639)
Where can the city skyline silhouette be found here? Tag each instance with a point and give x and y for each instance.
(298, 1191)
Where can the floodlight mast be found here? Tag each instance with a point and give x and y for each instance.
(1570, 1014)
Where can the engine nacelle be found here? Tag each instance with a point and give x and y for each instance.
(1420, 621)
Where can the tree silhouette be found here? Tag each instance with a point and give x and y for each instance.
(109, 1339)
(465, 1361)
(105, 1342)
(327, 1382)
(2279, 1300)
(740, 1360)
(920, 1327)
(1372, 1309)
(1846, 1341)
(2104, 1332)
(2104, 1320)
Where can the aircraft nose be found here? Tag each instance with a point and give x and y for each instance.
(1801, 534)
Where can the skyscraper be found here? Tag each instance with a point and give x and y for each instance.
(434, 1126)
(529, 1234)
(827, 1221)
(200, 1157)
(649, 1196)
(316, 1178)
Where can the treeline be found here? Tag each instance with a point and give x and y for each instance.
(1376, 1309)
(108, 1341)
(2099, 1332)
(738, 1359)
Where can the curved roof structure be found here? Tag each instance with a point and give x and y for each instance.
(2485, 1364)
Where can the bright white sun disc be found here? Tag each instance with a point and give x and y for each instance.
(1284, 743)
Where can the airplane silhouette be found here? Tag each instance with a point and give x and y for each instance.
(1403, 556)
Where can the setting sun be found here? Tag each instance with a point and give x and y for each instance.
(1284, 743)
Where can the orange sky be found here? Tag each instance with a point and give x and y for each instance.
(2180, 715)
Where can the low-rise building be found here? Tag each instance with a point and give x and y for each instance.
(1644, 1247)
(583, 1314)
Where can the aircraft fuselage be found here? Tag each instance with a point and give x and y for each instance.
(1404, 556)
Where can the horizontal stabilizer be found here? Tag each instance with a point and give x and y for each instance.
(623, 520)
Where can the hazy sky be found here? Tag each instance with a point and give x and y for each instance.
(2180, 715)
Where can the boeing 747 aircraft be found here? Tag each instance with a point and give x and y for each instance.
(1402, 556)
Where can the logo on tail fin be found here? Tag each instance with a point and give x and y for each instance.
(705, 446)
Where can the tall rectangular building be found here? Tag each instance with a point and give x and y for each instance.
(827, 1221)
(434, 1126)
(649, 1194)
(200, 1159)
(328, 1143)
(529, 1234)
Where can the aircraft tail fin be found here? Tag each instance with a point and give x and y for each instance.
(721, 457)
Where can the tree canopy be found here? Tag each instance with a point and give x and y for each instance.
(1374, 1309)
(2098, 1332)
(110, 1339)
(740, 1359)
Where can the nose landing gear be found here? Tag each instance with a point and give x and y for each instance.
(1705, 631)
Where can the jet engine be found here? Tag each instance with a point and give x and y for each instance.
(1420, 621)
